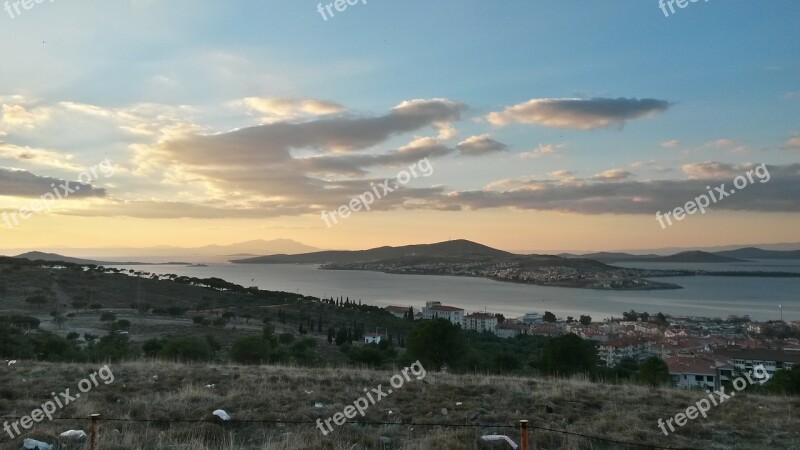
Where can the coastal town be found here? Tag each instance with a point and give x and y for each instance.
(700, 352)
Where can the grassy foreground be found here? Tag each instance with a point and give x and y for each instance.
(621, 412)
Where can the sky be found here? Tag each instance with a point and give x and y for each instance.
(543, 126)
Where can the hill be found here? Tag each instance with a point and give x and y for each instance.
(695, 256)
(456, 248)
(757, 253)
(53, 257)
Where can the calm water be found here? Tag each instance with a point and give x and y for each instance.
(702, 296)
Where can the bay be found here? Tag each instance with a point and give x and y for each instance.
(702, 296)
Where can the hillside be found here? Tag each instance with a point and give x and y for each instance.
(53, 257)
(279, 395)
(695, 256)
(757, 253)
(456, 248)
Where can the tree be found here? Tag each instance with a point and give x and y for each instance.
(549, 317)
(122, 325)
(654, 372)
(190, 348)
(152, 347)
(785, 381)
(567, 355)
(630, 316)
(251, 350)
(108, 317)
(37, 299)
(78, 305)
(435, 343)
(585, 320)
(198, 320)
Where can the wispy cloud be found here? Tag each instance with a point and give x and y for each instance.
(580, 114)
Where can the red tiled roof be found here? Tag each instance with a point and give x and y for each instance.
(444, 308)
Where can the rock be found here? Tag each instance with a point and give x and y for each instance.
(444, 411)
(33, 444)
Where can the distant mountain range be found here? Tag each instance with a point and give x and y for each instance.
(456, 248)
(166, 253)
(41, 256)
(696, 256)
(469, 249)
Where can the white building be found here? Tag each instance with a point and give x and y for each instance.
(435, 310)
(690, 371)
(372, 338)
(480, 322)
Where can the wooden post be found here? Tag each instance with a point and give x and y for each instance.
(95, 430)
(523, 435)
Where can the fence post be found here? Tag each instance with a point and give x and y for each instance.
(95, 430)
(523, 435)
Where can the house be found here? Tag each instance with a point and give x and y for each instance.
(635, 347)
(372, 338)
(700, 371)
(480, 322)
(435, 310)
(399, 311)
(546, 329)
(509, 329)
(531, 318)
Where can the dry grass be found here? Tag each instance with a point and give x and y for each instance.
(275, 393)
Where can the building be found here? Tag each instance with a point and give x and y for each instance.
(635, 347)
(694, 371)
(480, 322)
(531, 318)
(435, 310)
(772, 359)
(509, 329)
(372, 338)
(399, 311)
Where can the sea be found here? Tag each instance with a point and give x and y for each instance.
(761, 298)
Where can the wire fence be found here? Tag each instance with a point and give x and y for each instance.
(539, 441)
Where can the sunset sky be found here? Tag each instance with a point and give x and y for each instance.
(549, 125)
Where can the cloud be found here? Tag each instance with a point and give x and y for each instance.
(613, 175)
(21, 116)
(356, 164)
(542, 149)
(792, 95)
(580, 114)
(671, 143)
(480, 145)
(287, 168)
(274, 109)
(589, 197)
(21, 183)
(40, 157)
(793, 143)
(709, 170)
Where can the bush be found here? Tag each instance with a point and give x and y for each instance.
(286, 338)
(37, 299)
(108, 317)
(251, 350)
(188, 348)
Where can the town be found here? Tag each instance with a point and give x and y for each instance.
(700, 352)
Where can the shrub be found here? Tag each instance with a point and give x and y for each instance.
(188, 348)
